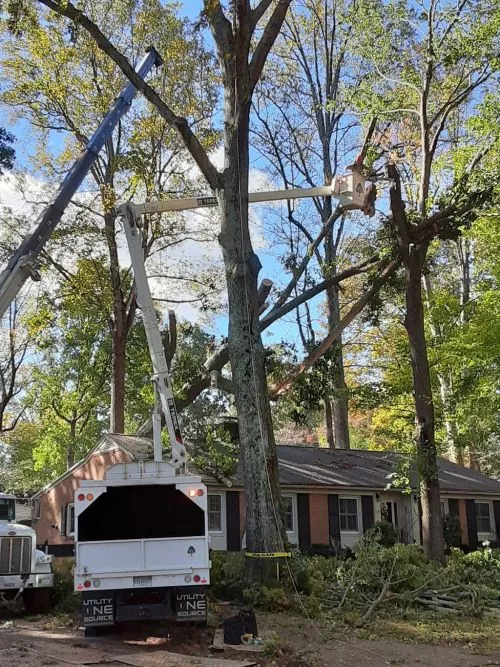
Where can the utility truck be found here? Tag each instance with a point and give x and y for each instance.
(24, 570)
(141, 535)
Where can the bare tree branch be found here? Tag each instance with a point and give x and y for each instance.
(326, 344)
(221, 30)
(267, 40)
(277, 312)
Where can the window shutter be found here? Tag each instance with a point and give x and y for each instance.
(303, 521)
(470, 509)
(233, 520)
(334, 519)
(62, 527)
(453, 507)
(496, 514)
(367, 512)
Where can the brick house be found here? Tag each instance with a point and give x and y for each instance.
(329, 496)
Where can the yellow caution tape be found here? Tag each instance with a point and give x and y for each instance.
(276, 554)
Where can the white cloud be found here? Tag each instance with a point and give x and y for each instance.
(21, 193)
(18, 192)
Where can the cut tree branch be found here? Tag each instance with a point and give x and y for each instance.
(326, 344)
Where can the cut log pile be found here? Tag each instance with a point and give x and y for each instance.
(454, 603)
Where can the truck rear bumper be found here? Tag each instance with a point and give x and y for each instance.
(119, 581)
(105, 608)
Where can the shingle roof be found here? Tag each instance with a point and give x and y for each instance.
(321, 467)
(140, 449)
(356, 468)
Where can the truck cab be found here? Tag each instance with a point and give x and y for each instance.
(24, 570)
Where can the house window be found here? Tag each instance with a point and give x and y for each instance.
(70, 520)
(483, 519)
(288, 510)
(215, 512)
(348, 514)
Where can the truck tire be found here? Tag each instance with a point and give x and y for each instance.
(37, 600)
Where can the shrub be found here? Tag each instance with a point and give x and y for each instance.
(268, 598)
(64, 599)
(385, 533)
(227, 574)
(452, 531)
(478, 571)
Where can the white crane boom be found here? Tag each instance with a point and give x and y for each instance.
(164, 397)
(348, 189)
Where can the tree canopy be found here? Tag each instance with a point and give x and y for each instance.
(372, 331)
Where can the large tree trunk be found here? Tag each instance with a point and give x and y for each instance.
(264, 519)
(413, 256)
(117, 416)
(432, 527)
(120, 323)
(340, 405)
(330, 438)
(455, 452)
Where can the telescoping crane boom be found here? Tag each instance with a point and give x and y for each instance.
(24, 263)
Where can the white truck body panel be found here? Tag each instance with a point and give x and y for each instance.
(141, 563)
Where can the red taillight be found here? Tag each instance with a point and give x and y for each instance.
(200, 492)
(81, 496)
(87, 584)
(196, 578)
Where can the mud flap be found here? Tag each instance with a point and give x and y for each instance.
(190, 605)
(98, 609)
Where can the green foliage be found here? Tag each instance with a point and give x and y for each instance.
(385, 533)
(65, 600)
(227, 574)
(333, 585)
(451, 531)
(7, 153)
(478, 571)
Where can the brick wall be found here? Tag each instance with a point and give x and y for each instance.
(48, 528)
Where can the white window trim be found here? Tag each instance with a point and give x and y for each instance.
(360, 518)
(293, 496)
(481, 536)
(37, 509)
(69, 532)
(222, 513)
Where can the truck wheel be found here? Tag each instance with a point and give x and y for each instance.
(37, 600)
